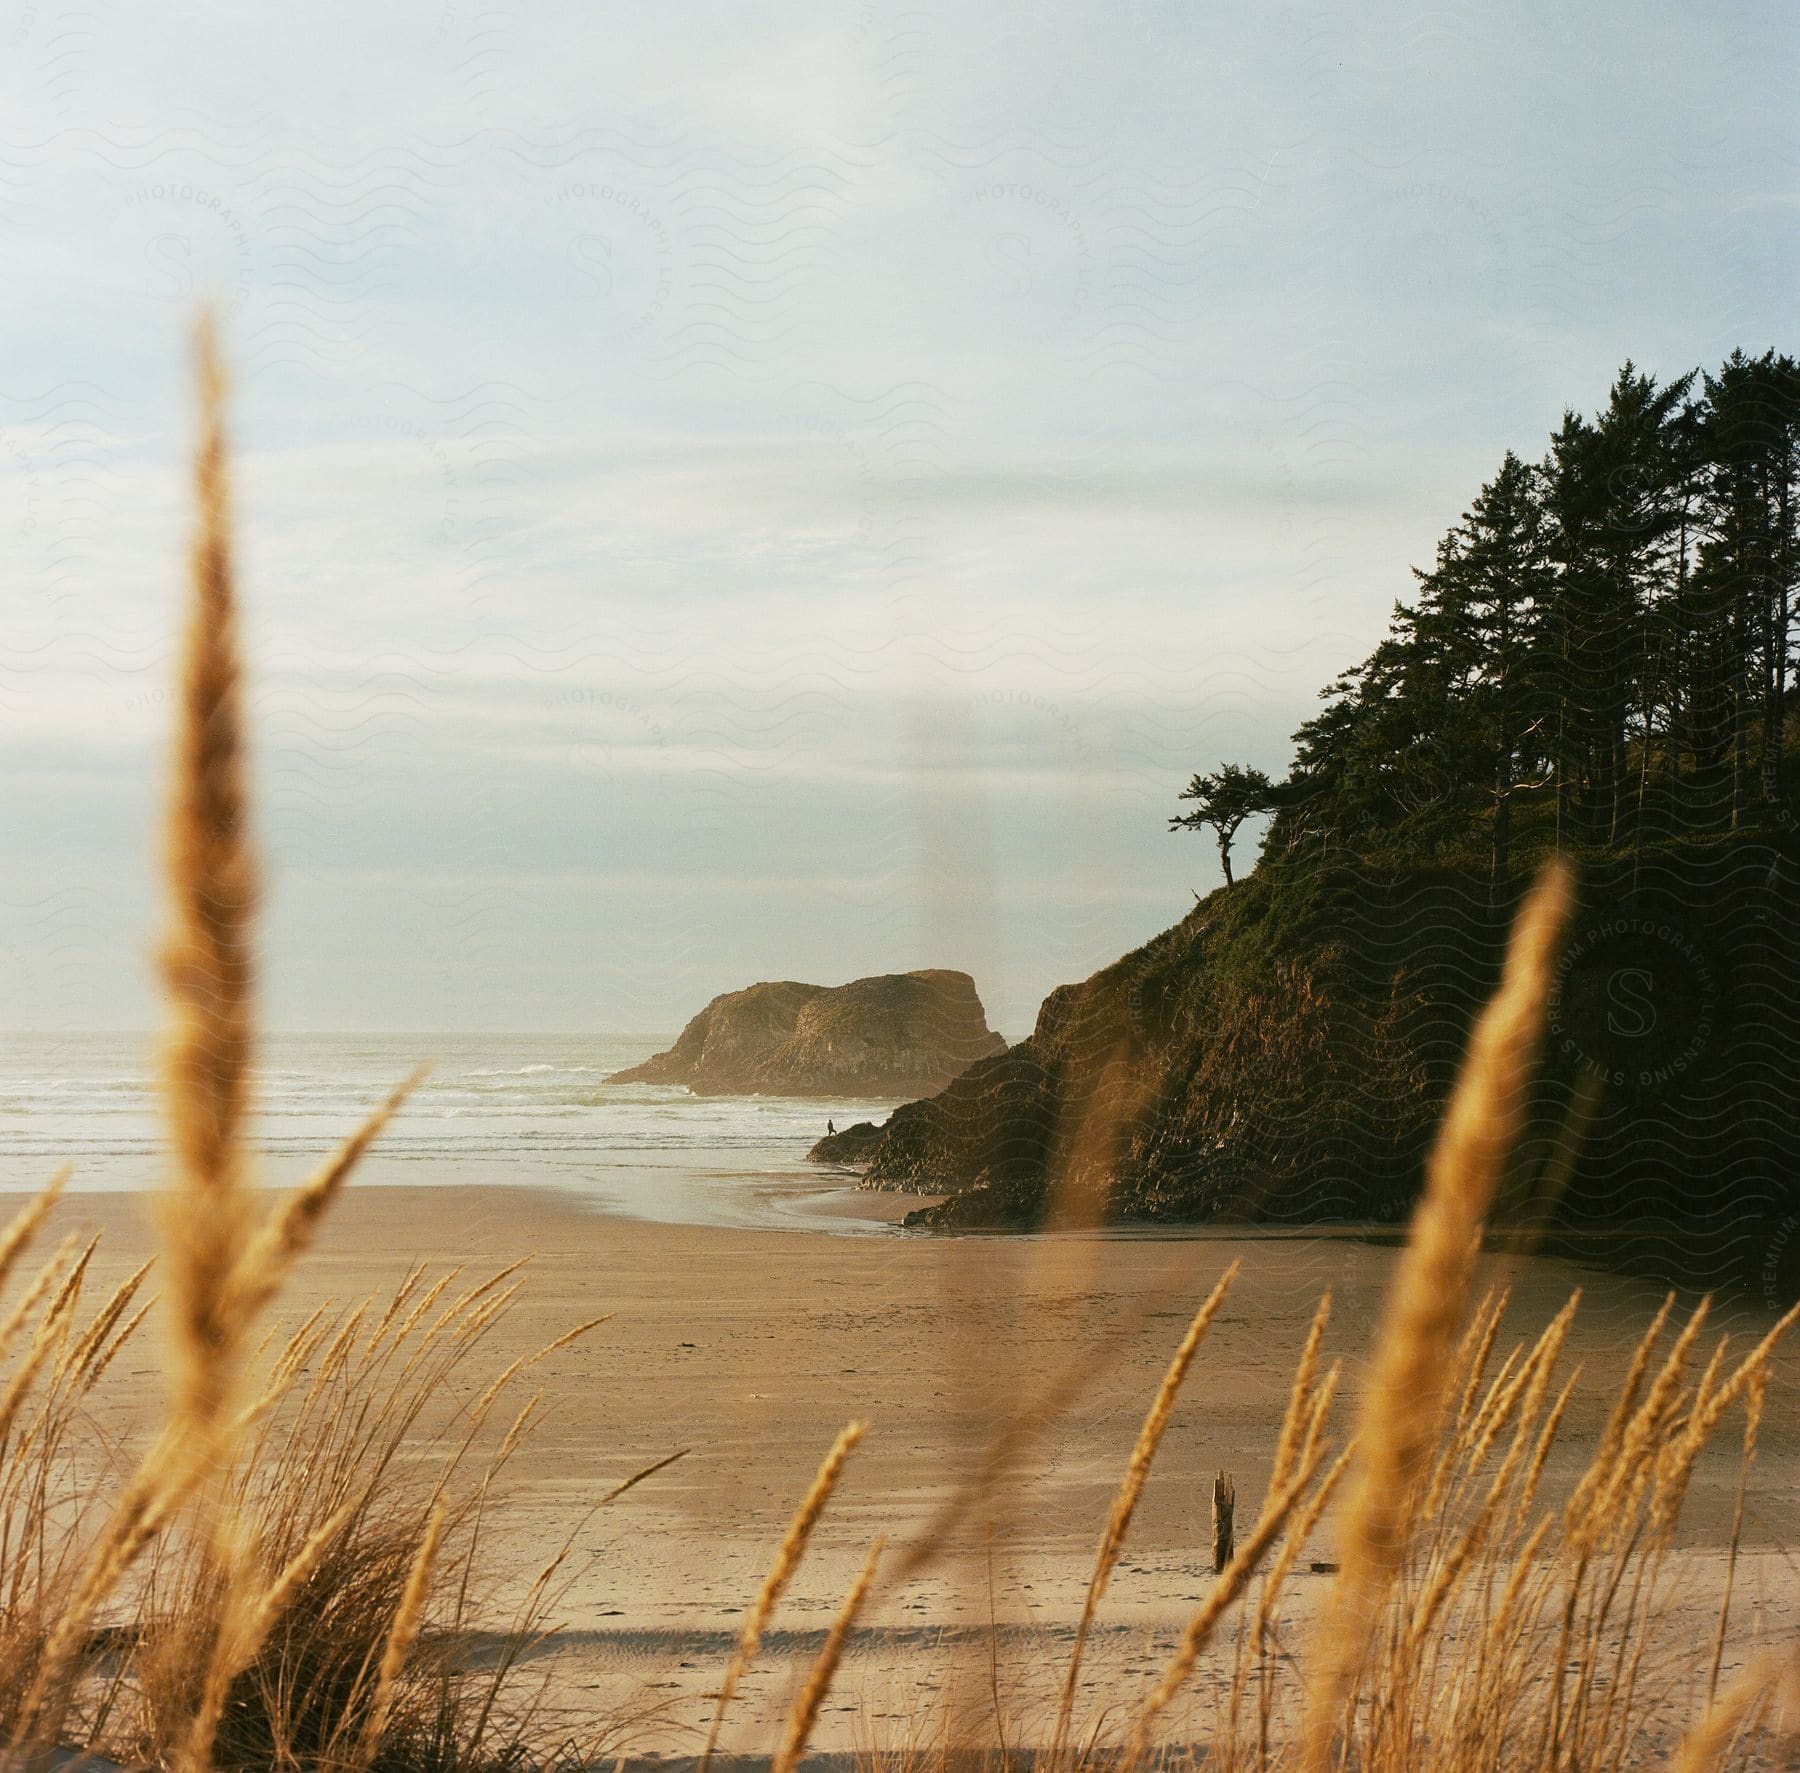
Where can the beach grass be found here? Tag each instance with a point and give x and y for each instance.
(288, 1574)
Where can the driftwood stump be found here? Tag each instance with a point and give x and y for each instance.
(1224, 1517)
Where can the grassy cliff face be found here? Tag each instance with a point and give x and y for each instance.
(1283, 1052)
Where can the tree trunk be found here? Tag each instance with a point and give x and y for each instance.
(1225, 856)
(1615, 768)
(1740, 721)
(1740, 691)
(1775, 696)
(1649, 733)
(1562, 742)
(1679, 708)
(1502, 877)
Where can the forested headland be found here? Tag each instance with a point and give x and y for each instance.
(1598, 662)
(1599, 655)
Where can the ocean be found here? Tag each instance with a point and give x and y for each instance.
(510, 1109)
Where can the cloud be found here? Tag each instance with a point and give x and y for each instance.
(789, 489)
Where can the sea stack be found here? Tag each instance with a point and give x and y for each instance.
(897, 1034)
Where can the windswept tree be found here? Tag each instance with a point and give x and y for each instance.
(1225, 800)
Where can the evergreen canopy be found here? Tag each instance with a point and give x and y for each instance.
(1600, 653)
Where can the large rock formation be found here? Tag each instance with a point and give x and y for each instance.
(899, 1034)
(1285, 1051)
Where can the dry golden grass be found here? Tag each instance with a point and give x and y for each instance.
(824, 1670)
(1131, 1489)
(787, 1560)
(284, 1579)
(290, 1538)
(1412, 1377)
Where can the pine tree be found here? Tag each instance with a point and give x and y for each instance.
(1505, 584)
(1748, 558)
(1226, 800)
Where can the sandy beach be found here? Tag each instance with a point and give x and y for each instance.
(753, 1348)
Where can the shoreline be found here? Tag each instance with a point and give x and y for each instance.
(726, 1189)
(1754, 1257)
(1756, 1262)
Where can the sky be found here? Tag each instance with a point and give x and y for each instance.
(739, 491)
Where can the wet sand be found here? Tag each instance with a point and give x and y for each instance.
(754, 1347)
